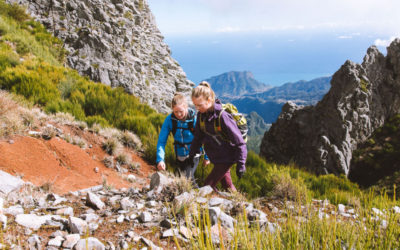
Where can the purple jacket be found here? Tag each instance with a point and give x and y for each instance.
(219, 150)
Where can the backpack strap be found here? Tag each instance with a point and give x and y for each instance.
(203, 128)
(218, 128)
(174, 124)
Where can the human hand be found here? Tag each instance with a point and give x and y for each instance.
(206, 162)
(161, 166)
(239, 173)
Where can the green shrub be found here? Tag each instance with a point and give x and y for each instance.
(97, 119)
(7, 57)
(33, 82)
(14, 11)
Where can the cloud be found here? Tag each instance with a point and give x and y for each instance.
(383, 42)
(345, 37)
(227, 16)
(228, 29)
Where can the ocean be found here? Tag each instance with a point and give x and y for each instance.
(274, 58)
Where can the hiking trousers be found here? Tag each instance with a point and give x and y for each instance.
(187, 170)
(220, 172)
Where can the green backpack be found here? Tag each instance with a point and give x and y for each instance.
(239, 118)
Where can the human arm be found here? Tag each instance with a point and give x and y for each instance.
(235, 137)
(166, 128)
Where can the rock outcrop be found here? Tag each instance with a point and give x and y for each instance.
(323, 137)
(117, 43)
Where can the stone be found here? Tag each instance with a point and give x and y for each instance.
(8, 183)
(34, 242)
(120, 219)
(94, 201)
(58, 233)
(151, 203)
(351, 211)
(377, 211)
(56, 242)
(341, 208)
(201, 200)
(131, 178)
(183, 199)
(145, 217)
(32, 221)
(256, 214)
(384, 224)
(158, 179)
(170, 233)
(3, 221)
(166, 223)
(90, 217)
(226, 220)
(110, 246)
(89, 243)
(206, 190)
(67, 211)
(14, 210)
(185, 232)
(71, 240)
(215, 201)
(126, 204)
(77, 225)
(150, 244)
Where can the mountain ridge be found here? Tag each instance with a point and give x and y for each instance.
(323, 137)
(236, 83)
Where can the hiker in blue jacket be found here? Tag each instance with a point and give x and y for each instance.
(180, 123)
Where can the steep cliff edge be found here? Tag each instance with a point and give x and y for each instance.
(323, 137)
(117, 43)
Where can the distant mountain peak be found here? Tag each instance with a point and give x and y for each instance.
(236, 83)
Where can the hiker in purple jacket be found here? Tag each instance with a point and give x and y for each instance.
(225, 151)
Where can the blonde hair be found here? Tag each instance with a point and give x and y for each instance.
(178, 99)
(204, 90)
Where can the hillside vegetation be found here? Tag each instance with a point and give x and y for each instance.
(377, 161)
(31, 65)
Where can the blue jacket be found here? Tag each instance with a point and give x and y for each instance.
(218, 150)
(182, 138)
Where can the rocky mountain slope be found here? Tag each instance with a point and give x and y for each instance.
(323, 137)
(117, 43)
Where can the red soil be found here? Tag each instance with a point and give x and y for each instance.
(64, 166)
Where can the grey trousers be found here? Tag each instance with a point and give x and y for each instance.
(187, 170)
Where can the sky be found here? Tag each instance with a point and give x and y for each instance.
(279, 41)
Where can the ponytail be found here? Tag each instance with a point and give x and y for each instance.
(204, 90)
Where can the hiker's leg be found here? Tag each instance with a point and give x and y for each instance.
(226, 181)
(189, 171)
(180, 171)
(216, 175)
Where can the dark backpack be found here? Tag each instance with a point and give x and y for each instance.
(239, 118)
